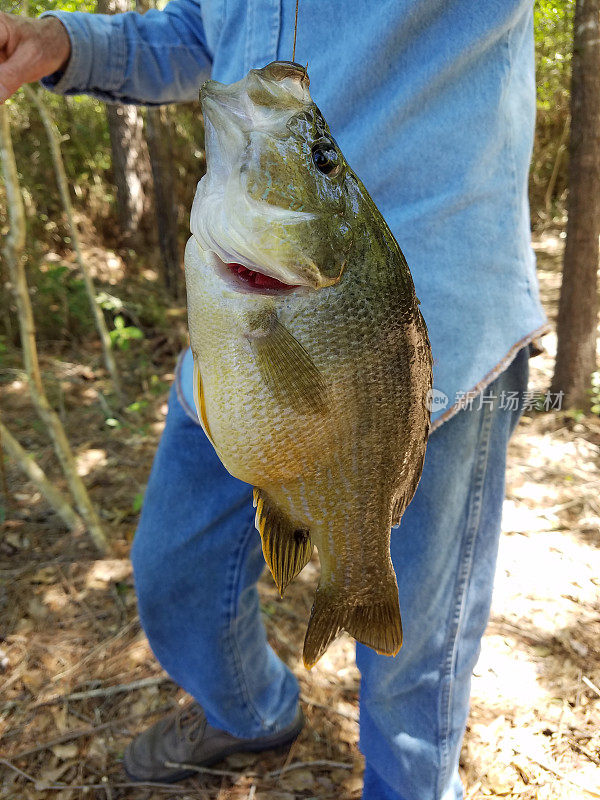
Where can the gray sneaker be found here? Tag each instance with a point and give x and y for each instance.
(185, 737)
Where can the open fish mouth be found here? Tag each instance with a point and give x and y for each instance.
(247, 277)
(258, 280)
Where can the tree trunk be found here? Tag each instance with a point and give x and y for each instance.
(578, 308)
(63, 186)
(131, 167)
(161, 160)
(13, 246)
(37, 476)
(158, 136)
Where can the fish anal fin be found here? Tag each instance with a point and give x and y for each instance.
(400, 504)
(402, 500)
(375, 622)
(285, 366)
(287, 547)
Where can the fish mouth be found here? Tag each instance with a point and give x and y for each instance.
(247, 278)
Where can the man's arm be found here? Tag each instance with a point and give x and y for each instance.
(158, 57)
(30, 49)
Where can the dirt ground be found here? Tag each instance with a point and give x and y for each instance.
(77, 678)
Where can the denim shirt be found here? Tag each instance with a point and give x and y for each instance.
(433, 105)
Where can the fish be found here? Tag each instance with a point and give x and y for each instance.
(312, 363)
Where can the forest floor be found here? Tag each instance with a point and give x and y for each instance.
(77, 678)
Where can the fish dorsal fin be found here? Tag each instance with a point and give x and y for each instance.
(287, 548)
(285, 366)
(374, 621)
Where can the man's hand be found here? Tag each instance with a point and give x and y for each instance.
(30, 49)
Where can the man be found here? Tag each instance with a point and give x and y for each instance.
(433, 106)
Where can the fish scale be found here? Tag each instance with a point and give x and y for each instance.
(312, 380)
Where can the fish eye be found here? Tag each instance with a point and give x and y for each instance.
(326, 159)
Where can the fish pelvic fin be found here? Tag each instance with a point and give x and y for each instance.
(287, 547)
(285, 366)
(200, 403)
(373, 621)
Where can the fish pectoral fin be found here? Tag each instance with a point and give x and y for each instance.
(287, 548)
(285, 366)
(372, 621)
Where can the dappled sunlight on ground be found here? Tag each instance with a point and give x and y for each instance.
(77, 678)
(534, 730)
(90, 459)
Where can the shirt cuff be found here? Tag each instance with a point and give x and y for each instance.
(95, 45)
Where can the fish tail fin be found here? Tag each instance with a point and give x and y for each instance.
(372, 620)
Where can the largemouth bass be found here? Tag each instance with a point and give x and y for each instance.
(312, 361)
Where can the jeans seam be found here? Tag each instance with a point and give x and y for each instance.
(230, 617)
(119, 60)
(275, 30)
(249, 40)
(462, 582)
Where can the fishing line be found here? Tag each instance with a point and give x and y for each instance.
(295, 31)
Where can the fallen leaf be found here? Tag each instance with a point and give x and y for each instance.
(240, 760)
(353, 783)
(580, 648)
(33, 679)
(298, 780)
(45, 575)
(97, 748)
(16, 540)
(275, 796)
(139, 708)
(338, 775)
(24, 625)
(65, 751)
(108, 570)
(36, 609)
(501, 780)
(50, 775)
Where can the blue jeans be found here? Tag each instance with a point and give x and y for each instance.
(197, 558)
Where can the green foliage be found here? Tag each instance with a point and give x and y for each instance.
(60, 302)
(85, 146)
(3, 350)
(109, 302)
(137, 406)
(123, 589)
(122, 335)
(137, 503)
(33, 8)
(553, 24)
(157, 387)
